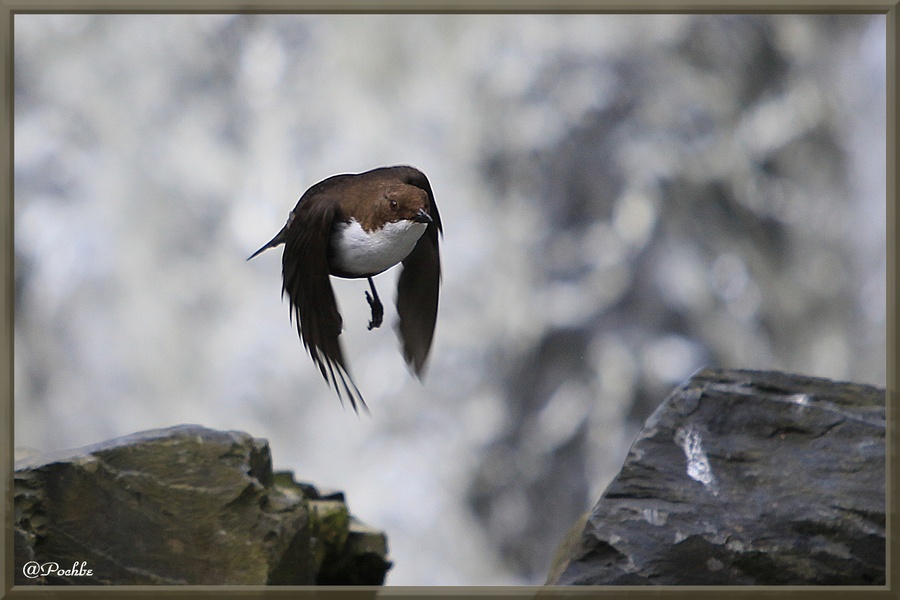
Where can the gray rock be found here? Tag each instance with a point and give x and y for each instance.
(744, 478)
(184, 505)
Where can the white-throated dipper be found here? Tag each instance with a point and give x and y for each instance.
(355, 226)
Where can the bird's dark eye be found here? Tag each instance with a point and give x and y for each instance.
(394, 204)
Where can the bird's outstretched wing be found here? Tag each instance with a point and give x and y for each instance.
(313, 305)
(419, 285)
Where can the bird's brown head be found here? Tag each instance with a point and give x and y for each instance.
(393, 202)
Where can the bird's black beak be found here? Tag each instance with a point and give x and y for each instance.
(422, 216)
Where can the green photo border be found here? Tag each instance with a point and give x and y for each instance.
(8, 8)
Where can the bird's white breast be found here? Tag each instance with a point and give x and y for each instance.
(359, 252)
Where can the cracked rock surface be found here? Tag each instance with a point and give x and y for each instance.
(184, 505)
(743, 478)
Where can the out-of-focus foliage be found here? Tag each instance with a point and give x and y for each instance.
(625, 199)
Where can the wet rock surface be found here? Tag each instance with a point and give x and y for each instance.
(184, 505)
(743, 478)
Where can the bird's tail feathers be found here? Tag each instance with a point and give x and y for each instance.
(275, 241)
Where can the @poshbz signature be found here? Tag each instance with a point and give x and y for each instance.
(33, 569)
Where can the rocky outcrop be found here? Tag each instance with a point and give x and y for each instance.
(184, 505)
(743, 478)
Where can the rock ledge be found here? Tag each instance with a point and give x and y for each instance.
(743, 478)
(184, 505)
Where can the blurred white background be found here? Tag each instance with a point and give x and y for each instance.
(625, 199)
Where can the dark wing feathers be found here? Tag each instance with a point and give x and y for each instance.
(313, 305)
(418, 288)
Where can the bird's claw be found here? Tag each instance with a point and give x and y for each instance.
(377, 311)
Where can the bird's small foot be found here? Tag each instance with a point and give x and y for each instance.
(377, 311)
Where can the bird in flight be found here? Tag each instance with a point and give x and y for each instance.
(357, 226)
